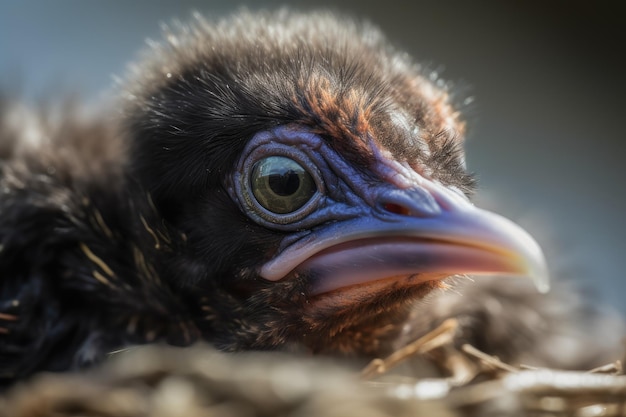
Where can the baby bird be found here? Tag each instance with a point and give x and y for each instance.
(271, 181)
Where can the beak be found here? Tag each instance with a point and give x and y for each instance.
(422, 234)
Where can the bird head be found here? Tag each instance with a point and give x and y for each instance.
(317, 175)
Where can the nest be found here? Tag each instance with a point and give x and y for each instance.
(198, 382)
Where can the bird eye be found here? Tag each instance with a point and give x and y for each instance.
(281, 185)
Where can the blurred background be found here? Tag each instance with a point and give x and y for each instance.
(548, 81)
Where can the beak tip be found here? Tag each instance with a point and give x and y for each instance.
(538, 272)
(542, 283)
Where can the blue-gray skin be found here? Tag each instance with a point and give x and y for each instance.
(386, 222)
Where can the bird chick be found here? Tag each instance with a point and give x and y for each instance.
(273, 181)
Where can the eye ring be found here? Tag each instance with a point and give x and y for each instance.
(250, 201)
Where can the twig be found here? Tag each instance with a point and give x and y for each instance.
(441, 336)
(614, 368)
(488, 360)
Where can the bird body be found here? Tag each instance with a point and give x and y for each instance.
(274, 181)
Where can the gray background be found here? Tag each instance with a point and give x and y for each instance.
(547, 133)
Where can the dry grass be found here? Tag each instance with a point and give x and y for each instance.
(199, 382)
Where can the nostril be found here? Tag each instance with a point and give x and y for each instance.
(411, 202)
(396, 209)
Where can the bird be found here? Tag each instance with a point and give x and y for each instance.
(267, 181)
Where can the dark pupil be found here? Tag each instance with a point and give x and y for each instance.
(284, 184)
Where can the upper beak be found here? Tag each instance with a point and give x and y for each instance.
(426, 234)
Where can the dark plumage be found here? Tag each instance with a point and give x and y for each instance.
(153, 225)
